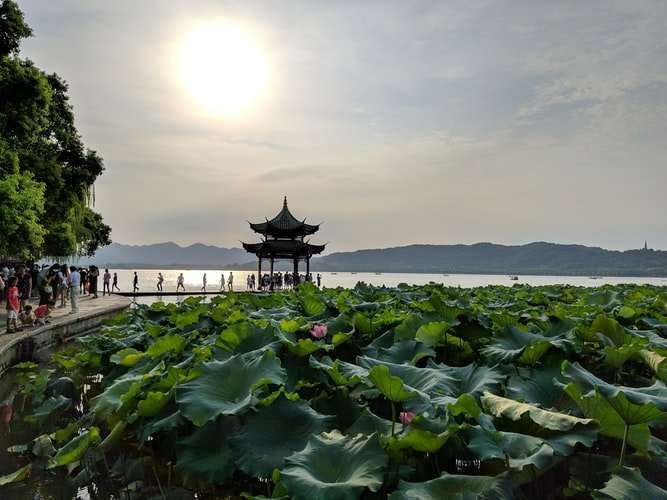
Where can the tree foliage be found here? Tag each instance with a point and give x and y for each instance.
(42, 156)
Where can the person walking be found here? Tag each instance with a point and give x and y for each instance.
(135, 283)
(160, 280)
(74, 282)
(106, 280)
(62, 279)
(319, 280)
(93, 274)
(114, 285)
(222, 282)
(203, 280)
(179, 282)
(230, 282)
(25, 286)
(83, 272)
(13, 304)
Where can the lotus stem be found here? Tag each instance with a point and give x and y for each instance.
(393, 418)
(625, 440)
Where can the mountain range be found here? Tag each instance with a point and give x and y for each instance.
(539, 258)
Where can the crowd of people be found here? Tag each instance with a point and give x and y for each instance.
(60, 285)
(281, 281)
(53, 286)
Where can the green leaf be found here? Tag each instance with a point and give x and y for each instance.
(392, 387)
(75, 449)
(517, 451)
(595, 406)
(153, 403)
(115, 395)
(421, 439)
(515, 344)
(127, 357)
(634, 404)
(205, 454)
(440, 384)
(454, 487)
(207, 397)
(275, 432)
(337, 467)
(611, 329)
(431, 334)
(51, 407)
(629, 484)
(169, 344)
(20, 475)
(513, 410)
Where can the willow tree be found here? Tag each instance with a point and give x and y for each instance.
(42, 158)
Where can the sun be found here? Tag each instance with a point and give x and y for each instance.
(223, 68)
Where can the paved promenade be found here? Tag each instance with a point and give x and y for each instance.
(89, 309)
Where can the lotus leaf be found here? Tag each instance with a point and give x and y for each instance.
(205, 454)
(335, 467)
(228, 387)
(629, 484)
(454, 487)
(275, 432)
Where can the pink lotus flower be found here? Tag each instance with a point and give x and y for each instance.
(319, 331)
(406, 417)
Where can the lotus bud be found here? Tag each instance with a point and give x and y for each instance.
(319, 331)
(406, 417)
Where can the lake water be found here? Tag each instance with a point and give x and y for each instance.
(193, 279)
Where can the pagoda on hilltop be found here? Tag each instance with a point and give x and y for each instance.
(283, 238)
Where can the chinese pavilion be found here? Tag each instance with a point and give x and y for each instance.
(283, 238)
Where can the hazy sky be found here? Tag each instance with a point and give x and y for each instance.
(394, 122)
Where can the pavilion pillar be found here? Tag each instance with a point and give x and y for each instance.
(259, 273)
(307, 266)
(271, 274)
(296, 270)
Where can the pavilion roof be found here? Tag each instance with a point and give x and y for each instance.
(283, 249)
(284, 225)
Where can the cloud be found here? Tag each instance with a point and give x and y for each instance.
(395, 123)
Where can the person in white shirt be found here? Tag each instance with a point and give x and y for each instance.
(222, 282)
(74, 282)
(179, 282)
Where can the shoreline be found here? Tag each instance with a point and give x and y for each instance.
(92, 312)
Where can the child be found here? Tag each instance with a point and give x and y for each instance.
(42, 314)
(13, 304)
(27, 316)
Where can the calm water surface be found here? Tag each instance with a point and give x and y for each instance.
(193, 279)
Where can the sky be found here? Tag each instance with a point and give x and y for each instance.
(392, 122)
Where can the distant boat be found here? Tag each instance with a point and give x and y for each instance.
(378, 273)
(353, 273)
(334, 273)
(595, 277)
(445, 274)
(514, 278)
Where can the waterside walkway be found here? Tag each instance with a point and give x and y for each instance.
(63, 325)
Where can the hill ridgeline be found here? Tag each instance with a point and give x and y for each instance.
(480, 258)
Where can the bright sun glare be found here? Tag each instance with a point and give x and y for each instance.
(223, 68)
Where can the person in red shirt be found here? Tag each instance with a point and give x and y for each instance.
(42, 314)
(13, 305)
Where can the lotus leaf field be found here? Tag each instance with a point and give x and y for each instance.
(415, 392)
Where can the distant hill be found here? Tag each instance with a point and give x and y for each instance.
(489, 258)
(168, 255)
(480, 258)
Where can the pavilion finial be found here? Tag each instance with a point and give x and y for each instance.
(285, 202)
